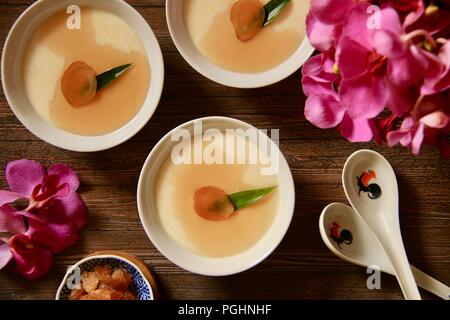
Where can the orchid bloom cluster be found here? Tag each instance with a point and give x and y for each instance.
(49, 224)
(383, 71)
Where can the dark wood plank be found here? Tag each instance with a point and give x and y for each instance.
(301, 267)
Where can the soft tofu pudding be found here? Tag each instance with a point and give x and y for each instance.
(210, 26)
(58, 58)
(183, 190)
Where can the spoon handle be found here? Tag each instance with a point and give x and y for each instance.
(430, 284)
(393, 247)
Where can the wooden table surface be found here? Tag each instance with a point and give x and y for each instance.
(301, 267)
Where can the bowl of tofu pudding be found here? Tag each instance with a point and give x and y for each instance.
(212, 37)
(82, 75)
(216, 196)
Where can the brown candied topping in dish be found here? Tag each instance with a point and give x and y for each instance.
(104, 283)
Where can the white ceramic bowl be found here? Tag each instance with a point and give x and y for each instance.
(189, 51)
(183, 257)
(13, 86)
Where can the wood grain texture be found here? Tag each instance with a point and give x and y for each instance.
(301, 267)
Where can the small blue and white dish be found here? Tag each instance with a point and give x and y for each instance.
(139, 285)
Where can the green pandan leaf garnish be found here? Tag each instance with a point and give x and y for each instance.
(105, 78)
(243, 199)
(273, 9)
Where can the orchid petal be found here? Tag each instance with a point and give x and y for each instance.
(363, 97)
(388, 44)
(66, 175)
(330, 11)
(313, 65)
(320, 35)
(408, 124)
(352, 58)
(356, 130)
(408, 69)
(429, 104)
(444, 56)
(52, 235)
(356, 25)
(395, 137)
(390, 21)
(23, 175)
(411, 135)
(414, 15)
(73, 208)
(10, 221)
(319, 68)
(324, 111)
(7, 197)
(32, 261)
(5, 255)
(433, 74)
(436, 120)
(416, 142)
(313, 87)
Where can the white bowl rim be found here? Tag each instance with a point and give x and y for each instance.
(101, 256)
(91, 143)
(232, 268)
(238, 79)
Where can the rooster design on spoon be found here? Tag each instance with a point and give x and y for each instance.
(372, 189)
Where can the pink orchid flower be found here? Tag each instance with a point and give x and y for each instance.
(410, 135)
(430, 129)
(52, 189)
(378, 66)
(394, 60)
(407, 63)
(49, 224)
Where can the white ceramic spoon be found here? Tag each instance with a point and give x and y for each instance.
(364, 249)
(371, 188)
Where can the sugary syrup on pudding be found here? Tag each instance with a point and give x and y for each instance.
(113, 106)
(210, 27)
(175, 187)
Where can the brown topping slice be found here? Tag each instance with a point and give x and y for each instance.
(79, 84)
(212, 203)
(247, 17)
